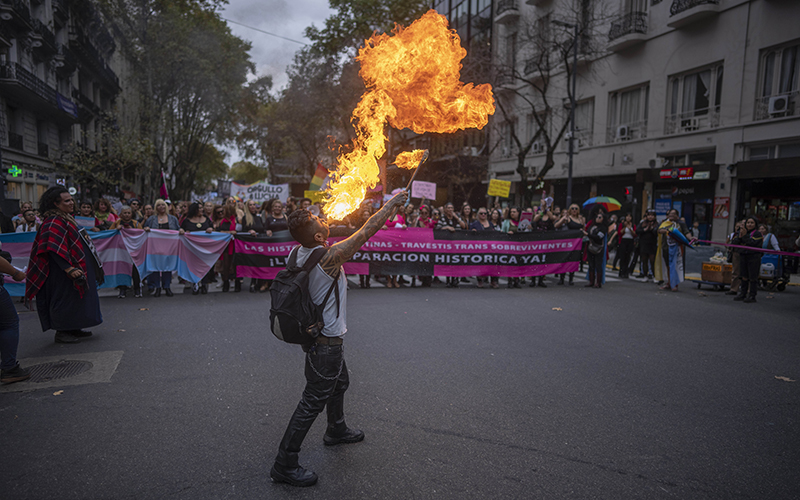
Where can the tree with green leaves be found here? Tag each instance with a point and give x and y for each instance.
(190, 73)
(245, 172)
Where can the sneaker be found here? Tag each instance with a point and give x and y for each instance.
(122, 294)
(16, 374)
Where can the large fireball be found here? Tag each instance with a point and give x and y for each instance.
(412, 78)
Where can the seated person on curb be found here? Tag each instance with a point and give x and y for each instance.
(326, 372)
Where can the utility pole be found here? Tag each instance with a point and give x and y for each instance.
(571, 104)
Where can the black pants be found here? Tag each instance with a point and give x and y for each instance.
(595, 261)
(326, 382)
(749, 269)
(624, 251)
(648, 263)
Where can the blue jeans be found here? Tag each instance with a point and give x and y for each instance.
(9, 331)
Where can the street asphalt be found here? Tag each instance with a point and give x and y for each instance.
(626, 392)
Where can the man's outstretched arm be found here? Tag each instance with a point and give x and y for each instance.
(341, 252)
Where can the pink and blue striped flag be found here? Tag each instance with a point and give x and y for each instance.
(160, 250)
(117, 264)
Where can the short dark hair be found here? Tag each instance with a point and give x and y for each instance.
(306, 199)
(301, 227)
(51, 197)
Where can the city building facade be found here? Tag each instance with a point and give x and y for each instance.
(687, 104)
(59, 75)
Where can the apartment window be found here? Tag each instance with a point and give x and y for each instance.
(511, 51)
(762, 153)
(780, 81)
(627, 114)
(508, 145)
(694, 100)
(584, 122)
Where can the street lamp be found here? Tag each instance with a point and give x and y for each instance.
(571, 103)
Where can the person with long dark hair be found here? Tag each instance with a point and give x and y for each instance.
(64, 271)
(571, 219)
(669, 267)
(647, 231)
(750, 260)
(511, 226)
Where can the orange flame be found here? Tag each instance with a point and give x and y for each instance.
(412, 79)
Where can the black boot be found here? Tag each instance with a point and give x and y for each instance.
(560, 279)
(226, 286)
(541, 282)
(237, 285)
(286, 468)
(591, 280)
(751, 297)
(337, 431)
(742, 291)
(571, 279)
(157, 293)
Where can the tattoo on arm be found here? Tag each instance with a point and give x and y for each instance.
(341, 252)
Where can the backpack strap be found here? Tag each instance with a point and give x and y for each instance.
(313, 259)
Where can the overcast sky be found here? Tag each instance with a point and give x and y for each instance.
(287, 18)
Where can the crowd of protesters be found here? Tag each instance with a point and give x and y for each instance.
(645, 242)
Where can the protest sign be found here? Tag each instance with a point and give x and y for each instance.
(260, 191)
(423, 189)
(499, 188)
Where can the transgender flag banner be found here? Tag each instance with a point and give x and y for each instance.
(117, 264)
(162, 250)
(426, 252)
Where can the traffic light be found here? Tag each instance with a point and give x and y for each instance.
(629, 193)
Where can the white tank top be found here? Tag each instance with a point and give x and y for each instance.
(318, 284)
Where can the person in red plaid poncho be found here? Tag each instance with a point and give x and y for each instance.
(64, 271)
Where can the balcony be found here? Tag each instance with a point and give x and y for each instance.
(15, 11)
(45, 38)
(683, 12)
(16, 141)
(536, 3)
(777, 106)
(507, 12)
(627, 30)
(44, 150)
(18, 82)
(83, 48)
(626, 132)
(692, 121)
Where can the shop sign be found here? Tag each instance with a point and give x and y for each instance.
(699, 176)
(676, 191)
(722, 207)
(42, 177)
(15, 171)
(684, 173)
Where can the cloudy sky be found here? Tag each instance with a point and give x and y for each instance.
(287, 18)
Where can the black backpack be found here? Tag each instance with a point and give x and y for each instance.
(293, 316)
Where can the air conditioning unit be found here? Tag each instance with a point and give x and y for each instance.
(623, 132)
(469, 151)
(778, 105)
(690, 124)
(537, 148)
(656, 162)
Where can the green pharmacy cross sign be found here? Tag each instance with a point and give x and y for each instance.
(15, 171)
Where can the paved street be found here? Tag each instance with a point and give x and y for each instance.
(564, 392)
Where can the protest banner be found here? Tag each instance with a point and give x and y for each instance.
(426, 252)
(423, 189)
(499, 188)
(260, 191)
